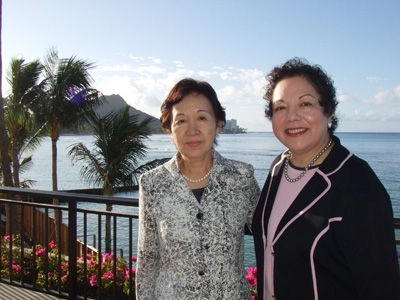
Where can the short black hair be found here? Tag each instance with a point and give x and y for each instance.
(186, 87)
(322, 83)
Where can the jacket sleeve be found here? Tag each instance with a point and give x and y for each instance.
(253, 192)
(147, 266)
(369, 238)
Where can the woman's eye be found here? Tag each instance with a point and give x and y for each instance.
(306, 104)
(202, 118)
(279, 108)
(178, 122)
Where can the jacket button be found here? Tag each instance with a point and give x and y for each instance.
(201, 273)
(199, 216)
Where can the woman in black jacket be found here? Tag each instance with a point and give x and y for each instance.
(323, 226)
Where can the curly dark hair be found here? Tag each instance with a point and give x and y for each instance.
(186, 87)
(322, 83)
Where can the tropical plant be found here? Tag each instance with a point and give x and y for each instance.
(4, 157)
(252, 280)
(43, 270)
(24, 131)
(66, 99)
(118, 149)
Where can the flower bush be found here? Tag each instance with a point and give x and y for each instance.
(252, 280)
(34, 268)
(89, 284)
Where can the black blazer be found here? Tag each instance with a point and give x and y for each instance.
(336, 241)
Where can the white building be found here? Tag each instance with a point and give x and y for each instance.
(231, 126)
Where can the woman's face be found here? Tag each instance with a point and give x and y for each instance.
(194, 126)
(298, 120)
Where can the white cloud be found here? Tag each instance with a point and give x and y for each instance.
(131, 91)
(179, 64)
(155, 60)
(376, 79)
(389, 97)
(149, 80)
(343, 97)
(205, 75)
(115, 68)
(136, 58)
(227, 93)
(373, 116)
(150, 70)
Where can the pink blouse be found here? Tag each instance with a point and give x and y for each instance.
(285, 196)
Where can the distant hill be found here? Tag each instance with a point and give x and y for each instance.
(116, 102)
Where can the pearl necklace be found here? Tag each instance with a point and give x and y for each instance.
(289, 155)
(197, 180)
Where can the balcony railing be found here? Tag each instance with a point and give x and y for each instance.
(37, 226)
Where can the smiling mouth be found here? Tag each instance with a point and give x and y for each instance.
(299, 130)
(194, 143)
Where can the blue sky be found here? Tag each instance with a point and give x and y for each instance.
(142, 48)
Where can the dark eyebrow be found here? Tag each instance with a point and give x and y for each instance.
(308, 95)
(200, 110)
(204, 110)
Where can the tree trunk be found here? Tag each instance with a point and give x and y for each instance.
(108, 191)
(15, 159)
(57, 212)
(108, 230)
(5, 159)
(16, 214)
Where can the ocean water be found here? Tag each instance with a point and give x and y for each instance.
(380, 150)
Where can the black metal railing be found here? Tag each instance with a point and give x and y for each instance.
(71, 206)
(69, 246)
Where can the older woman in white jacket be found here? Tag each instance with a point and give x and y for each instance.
(194, 208)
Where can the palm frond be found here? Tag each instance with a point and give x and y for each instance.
(119, 147)
(147, 167)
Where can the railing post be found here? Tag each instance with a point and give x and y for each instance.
(72, 237)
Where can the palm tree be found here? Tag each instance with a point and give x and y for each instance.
(5, 159)
(66, 99)
(118, 149)
(23, 130)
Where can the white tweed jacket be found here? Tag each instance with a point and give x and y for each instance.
(191, 250)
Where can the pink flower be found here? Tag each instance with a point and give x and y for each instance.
(16, 268)
(108, 275)
(134, 259)
(41, 252)
(88, 256)
(252, 276)
(93, 282)
(8, 238)
(52, 245)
